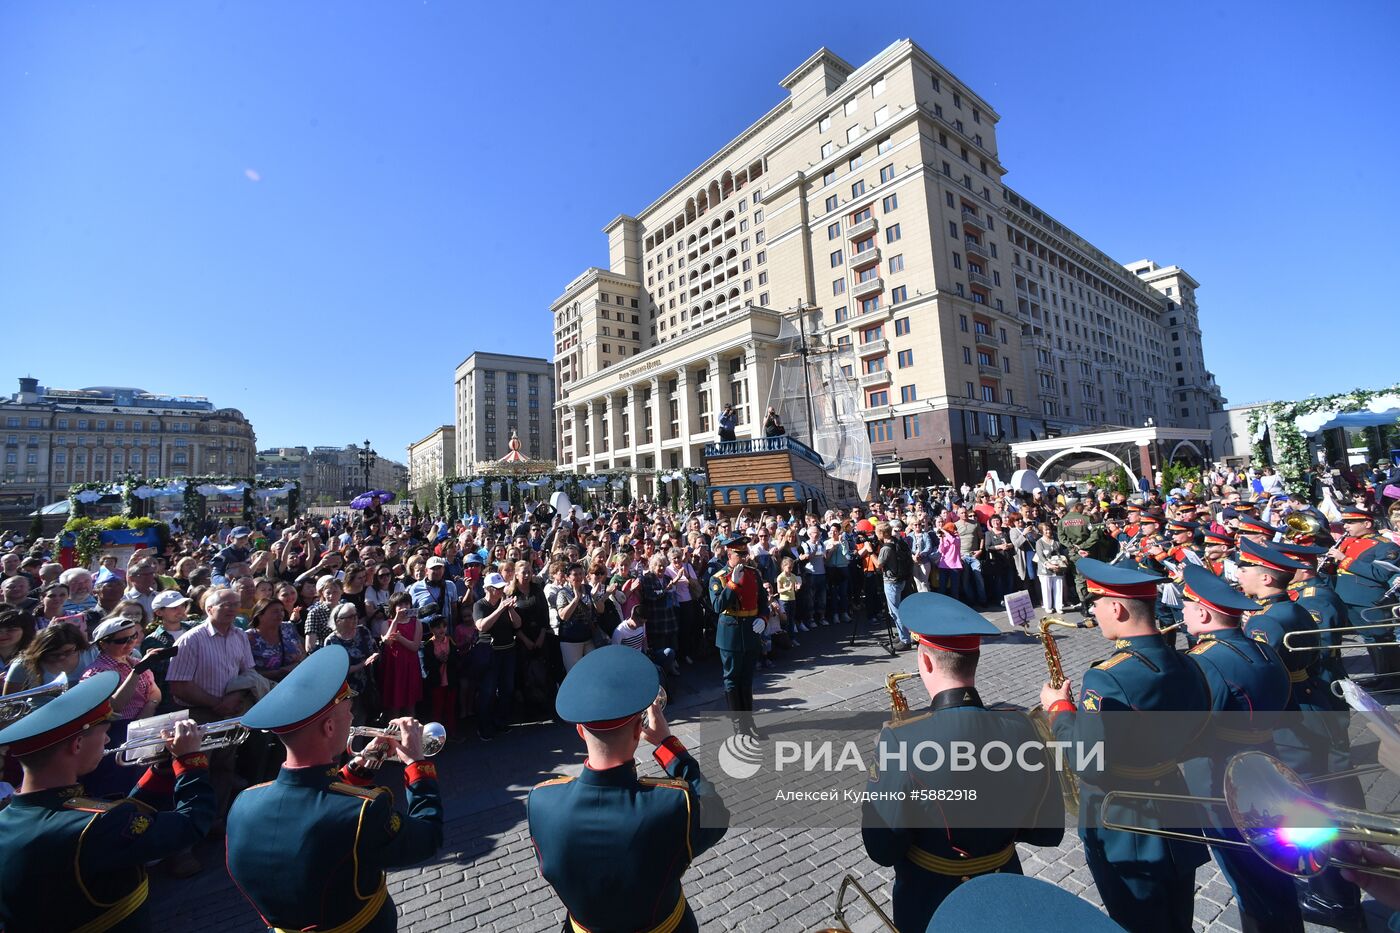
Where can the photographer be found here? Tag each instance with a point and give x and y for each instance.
(896, 563)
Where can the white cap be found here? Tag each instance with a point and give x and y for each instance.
(167, 598)
(496, 581)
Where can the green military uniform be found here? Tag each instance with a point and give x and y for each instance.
(742, 608)
(310, 849)
(614, 846)
(935, 848)
(1147, 882)
(1077, 534)
(70, 862)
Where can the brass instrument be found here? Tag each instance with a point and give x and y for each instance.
(838, 914)
(19, 704)
(434, 736)
(1069, 783)
(1167, 630)
(1279, 818)
(659, 703)
(212, 735)
(1340, 630)
(1305, 528)
(899, 704)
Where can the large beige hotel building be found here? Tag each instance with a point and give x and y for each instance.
(875, 194)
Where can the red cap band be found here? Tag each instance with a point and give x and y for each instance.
(102, 712)
(1196, 598)
(1122, 590)
(957, 644)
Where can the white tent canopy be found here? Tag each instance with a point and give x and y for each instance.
(1381, 410)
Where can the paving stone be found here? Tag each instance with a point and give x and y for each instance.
(486, 878)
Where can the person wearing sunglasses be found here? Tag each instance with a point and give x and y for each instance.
(116, 638)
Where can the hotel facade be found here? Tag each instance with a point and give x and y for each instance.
(873, 194)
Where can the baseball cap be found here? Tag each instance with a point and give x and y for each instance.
(496, 581)
(167, 598)
(240, 532)
(435, 562)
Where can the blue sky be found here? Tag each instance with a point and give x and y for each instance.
(314, 211)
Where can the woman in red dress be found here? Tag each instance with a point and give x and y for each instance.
(401, 683)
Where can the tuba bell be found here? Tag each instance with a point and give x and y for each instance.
(16, 706)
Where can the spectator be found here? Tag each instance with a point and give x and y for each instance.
(772, 424)
(1052, 563)
(16, 632)
(950, 561)
(55, 650)
(658, 598)
(141, 583)
(80, 595)
(401, 684)
(441, 663)
(727, 422)
(171, 616)
(137, 697)
(207, 675)
(14, 591)
(318, 615)
(685, 587)
(896, 564)
(273, 640)
(573, 614)
(496, 620)
(360, 644)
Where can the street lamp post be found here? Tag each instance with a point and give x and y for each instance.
(367, 461)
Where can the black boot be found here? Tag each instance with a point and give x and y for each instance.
(746, 696)
(1331, 900)
(733, 700)
(1386, 663)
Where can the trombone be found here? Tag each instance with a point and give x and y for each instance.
(1278, 817)
(222, 734)
(1340, 630)
(19, 704)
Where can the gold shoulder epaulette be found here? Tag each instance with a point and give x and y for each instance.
(1309, 590)
(367, 793)
(1118, 658)
(90, 804)
(894, 724)
(665, 782)
(1201, 646)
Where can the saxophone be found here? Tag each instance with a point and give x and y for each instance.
(1069, 784)
(899, 704)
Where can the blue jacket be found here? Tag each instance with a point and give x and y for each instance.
(309, 850)
(615, 846)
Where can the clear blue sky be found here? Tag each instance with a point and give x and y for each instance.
(314, 211)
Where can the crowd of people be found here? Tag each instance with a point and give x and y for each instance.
(476, 621)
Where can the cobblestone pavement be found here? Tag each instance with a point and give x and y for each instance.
(485, 878)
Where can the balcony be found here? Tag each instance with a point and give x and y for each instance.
(868, 287)
(972, 222)
(987, 340)
(977, 278)
(878, 347)
(973, 248)
(875, 380)
(862, 229)
(864, 258)
(989, 369)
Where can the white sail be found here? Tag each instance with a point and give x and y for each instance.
(810, 379)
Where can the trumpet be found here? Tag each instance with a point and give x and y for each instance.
(434, 736)
(21, 703)
(222, 734)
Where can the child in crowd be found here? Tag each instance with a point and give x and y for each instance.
(440, 658)
(788, 584)
(633, 634)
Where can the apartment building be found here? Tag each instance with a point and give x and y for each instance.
(56, 437)
(431, 459)
(876, 194)
(497, 393)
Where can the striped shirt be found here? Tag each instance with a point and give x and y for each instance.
(210, 660)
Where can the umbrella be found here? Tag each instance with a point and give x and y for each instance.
(369, 499)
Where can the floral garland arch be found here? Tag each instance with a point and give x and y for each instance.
(1280, 421)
